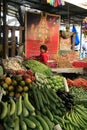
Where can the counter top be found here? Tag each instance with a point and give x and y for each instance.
(68, 70)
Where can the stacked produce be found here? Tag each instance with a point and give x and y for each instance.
(65, 60)
(62, 61)
(76, 119)
(67, 98)
(12, 64)
(37, 66)
(80, 95)
(78, 82)
(15, 83)
(39, 101)
(41, 111)
(55, 82)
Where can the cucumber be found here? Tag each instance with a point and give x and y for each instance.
(60, 120)
(9, 121)
(29, 123)
(53, 93)
(25, 111)
(50, 124)
(43, 122)
(6, 127)
(12, 107)
(53, 107)
(23, 125)
(49, 114)
(38, 125)
(17, 126)
(45, 96)
(51, 98)
(40, 99)
(4, 109)
(28, 104)
(36, 98)
(55, 121)
(19, 106)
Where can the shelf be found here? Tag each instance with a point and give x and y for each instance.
(68, 70)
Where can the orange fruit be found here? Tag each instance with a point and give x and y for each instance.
(8, 80)
(28, 80)
(17, 95)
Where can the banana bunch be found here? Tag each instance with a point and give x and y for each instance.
(76, 119)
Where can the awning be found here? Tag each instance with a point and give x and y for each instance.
(80, 3)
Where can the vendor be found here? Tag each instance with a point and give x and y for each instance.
(43, 57)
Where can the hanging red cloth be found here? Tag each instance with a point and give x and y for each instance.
(56, 3)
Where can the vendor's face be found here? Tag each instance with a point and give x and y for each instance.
(42, 50)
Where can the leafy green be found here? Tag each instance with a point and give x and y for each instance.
(37, 66)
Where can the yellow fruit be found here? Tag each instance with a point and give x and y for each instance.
(10, 88)
(5, 85)
(25, 88)
(11, 94)
(8, 80)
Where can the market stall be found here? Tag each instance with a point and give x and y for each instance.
(35, 96)
(32, 97)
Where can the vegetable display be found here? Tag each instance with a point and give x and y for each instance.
(79, 82)
(24, 114)
(15, 83)
(80, 95)
(37, 66)
(36, 100)
(55, 82)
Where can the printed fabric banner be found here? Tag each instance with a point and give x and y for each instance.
(41, 29)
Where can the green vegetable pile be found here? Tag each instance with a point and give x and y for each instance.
(80, 95)
(55, 82)
(37, 66)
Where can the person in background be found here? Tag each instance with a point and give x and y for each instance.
(84, 49)
(43, 57)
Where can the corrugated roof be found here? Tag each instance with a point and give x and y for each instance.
(68, 12)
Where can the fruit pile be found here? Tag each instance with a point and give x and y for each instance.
(17, 82)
